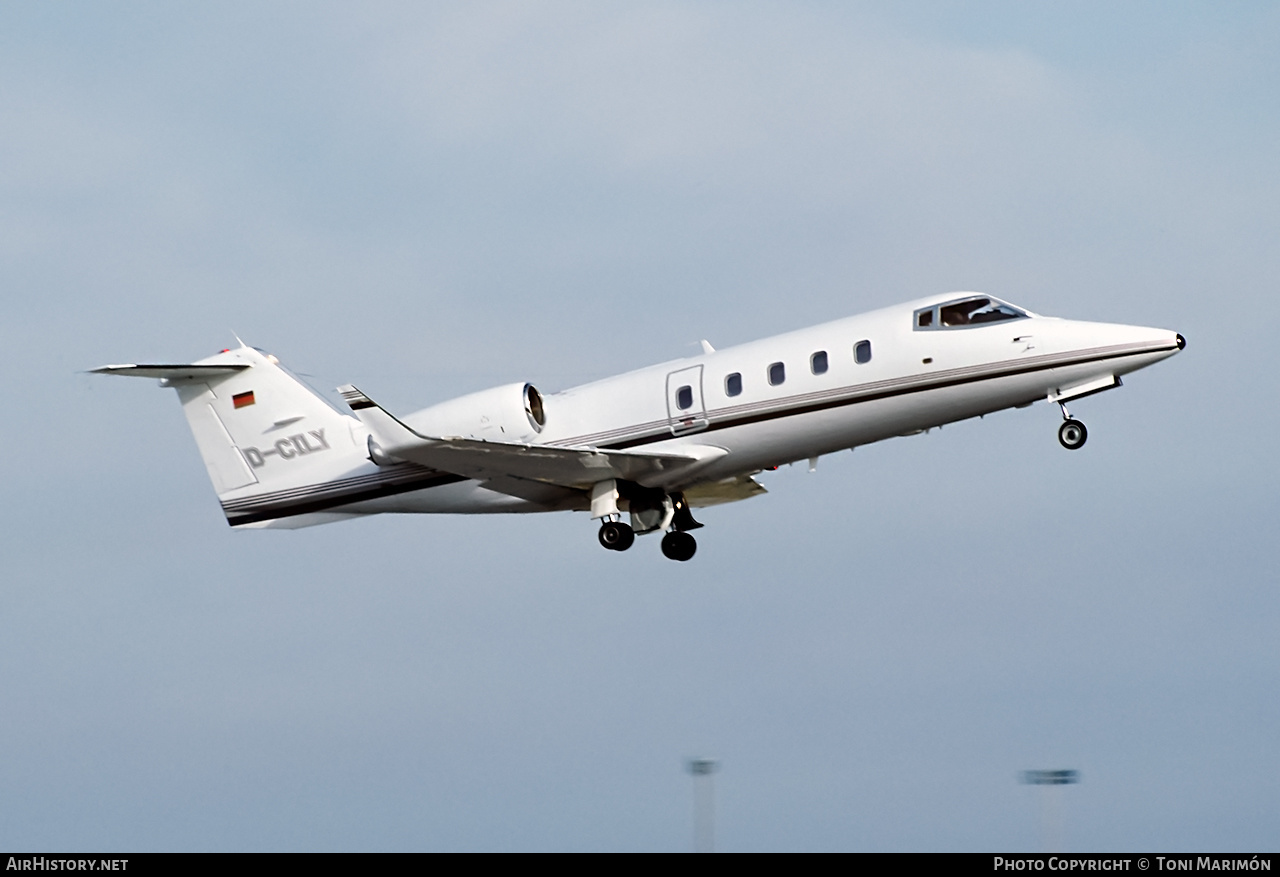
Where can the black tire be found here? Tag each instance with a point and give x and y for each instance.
(616, 536)
(679, 546)
(1072, 435)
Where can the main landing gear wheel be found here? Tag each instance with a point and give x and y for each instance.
(616, 536)
(679, 546)
(1072, 435)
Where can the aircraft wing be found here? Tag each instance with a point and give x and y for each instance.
(573, 467)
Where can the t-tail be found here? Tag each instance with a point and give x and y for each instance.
(278, 455)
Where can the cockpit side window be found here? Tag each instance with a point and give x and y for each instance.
(973, 311)
(976, 311)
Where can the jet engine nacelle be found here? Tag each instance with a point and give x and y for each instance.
(511, 413)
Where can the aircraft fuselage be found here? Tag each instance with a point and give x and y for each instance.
(697, 427)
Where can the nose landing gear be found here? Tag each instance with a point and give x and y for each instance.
(1072, 434)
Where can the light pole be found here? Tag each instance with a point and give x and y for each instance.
(704, 840)
(1051, 782)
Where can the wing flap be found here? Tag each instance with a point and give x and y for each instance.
(710, 493)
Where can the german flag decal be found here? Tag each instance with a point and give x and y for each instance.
(240, 400)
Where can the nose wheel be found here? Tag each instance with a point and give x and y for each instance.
(1071, 435)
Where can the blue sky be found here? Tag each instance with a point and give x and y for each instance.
(432, 199)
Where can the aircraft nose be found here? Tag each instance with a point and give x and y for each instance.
(1182, 342)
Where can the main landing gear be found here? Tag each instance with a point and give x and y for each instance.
(677, 544)
(1071, 435)
(651, 510)
(616, 536)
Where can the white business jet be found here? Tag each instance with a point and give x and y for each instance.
(655, 443)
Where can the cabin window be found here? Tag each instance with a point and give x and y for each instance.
(733, 384)
(818, 362)
(684, 398)
(862, 352)
(777, 374)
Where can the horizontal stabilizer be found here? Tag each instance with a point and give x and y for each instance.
(575, 467)
(172, 373)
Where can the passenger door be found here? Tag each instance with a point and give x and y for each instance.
(685, 408)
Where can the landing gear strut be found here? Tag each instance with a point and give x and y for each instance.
(1071, 435)
(678, 544)
(616, 536)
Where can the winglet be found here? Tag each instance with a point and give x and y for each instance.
(355, 399)
(386, 430)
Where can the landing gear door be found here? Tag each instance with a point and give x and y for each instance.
(685, 407)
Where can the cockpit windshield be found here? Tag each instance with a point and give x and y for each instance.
(973, 311)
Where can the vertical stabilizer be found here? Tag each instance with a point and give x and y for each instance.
(228, 469)
(259, 430)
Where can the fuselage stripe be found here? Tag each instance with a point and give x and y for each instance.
(743, 415)
(290, 508)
